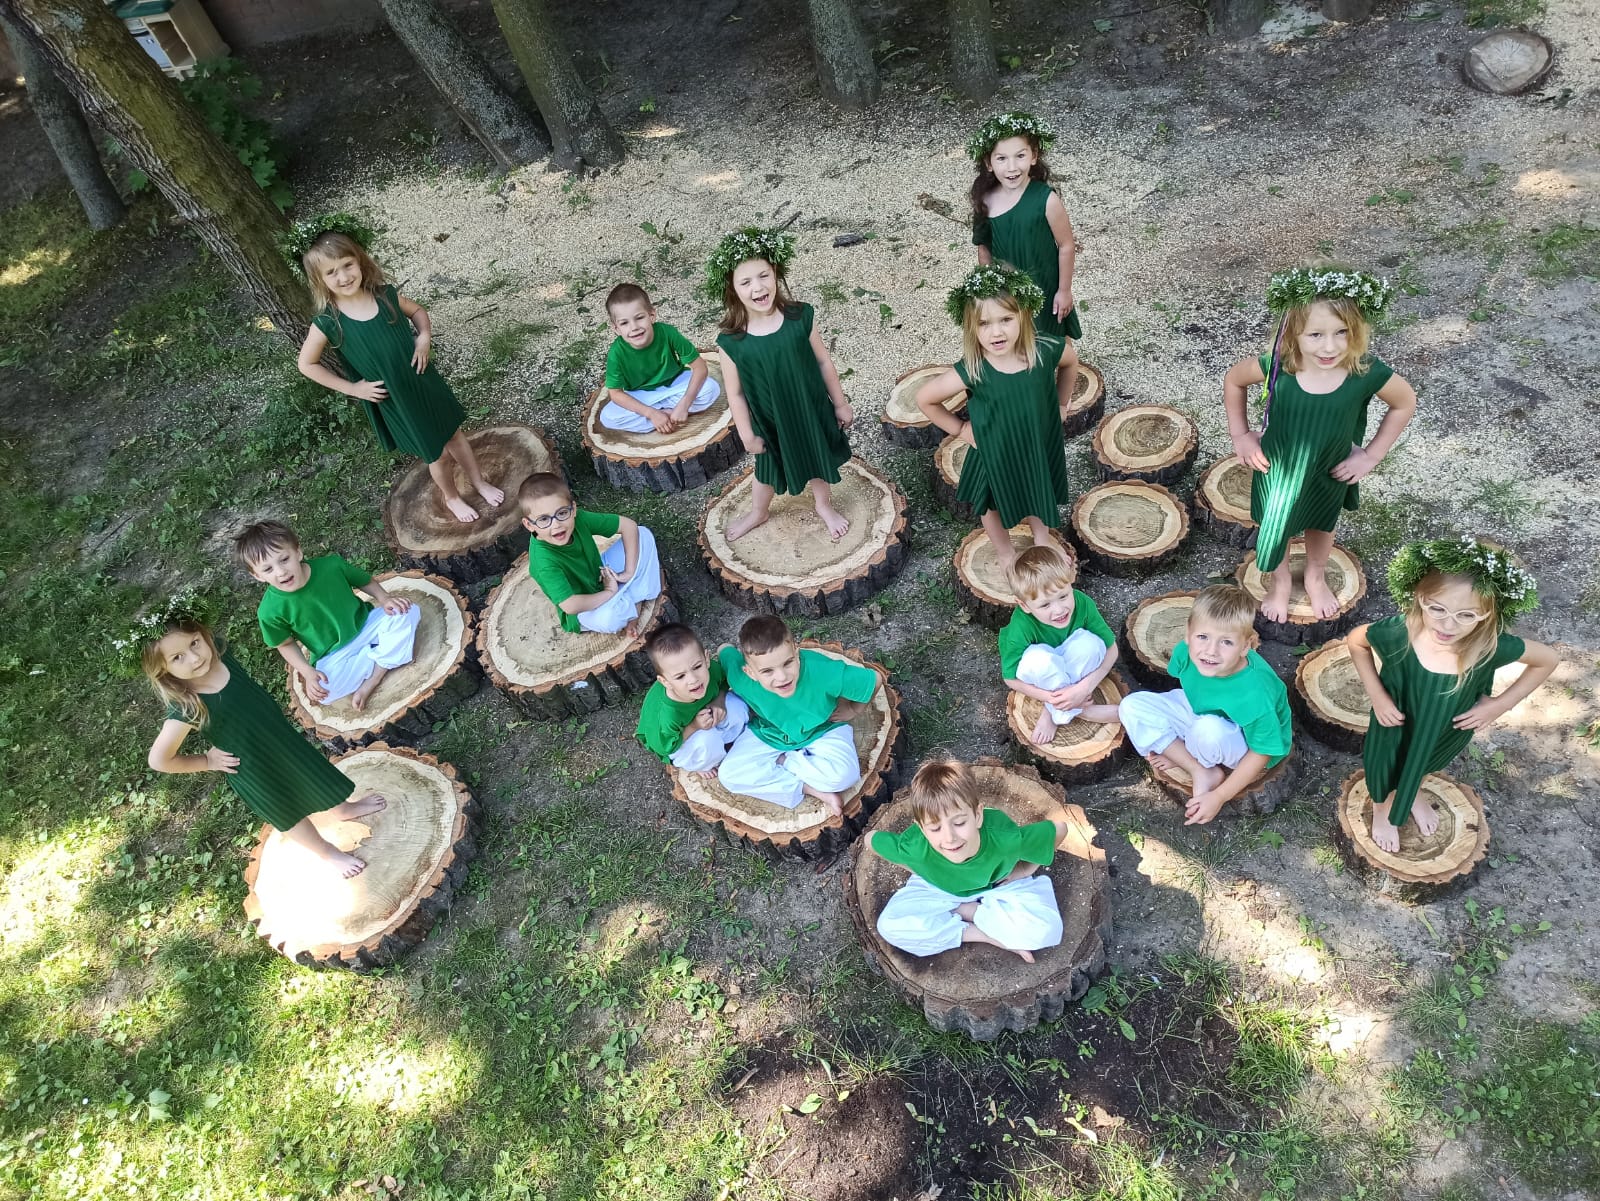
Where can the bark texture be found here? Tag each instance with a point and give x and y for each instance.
(844, 60)
(972, 57)
(579, 131)
(1238, 18)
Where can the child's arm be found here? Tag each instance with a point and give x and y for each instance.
(1401, 398)
(316, 682)
(740, 408)
(697, 377)
(383, 599)
(164, 756)
(1540, 661)
(1207, 805)
(310, 366)
(931, 397)
(1055, 213)
(842, 411)
(662, 421)
(582, 602)
(1246, 442)
(418, 316)
(1383, 706)
(1073, 696)
(628, 528)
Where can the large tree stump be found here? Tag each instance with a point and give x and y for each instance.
(1329, 702)
(788, 565)
(1423, 867)
(1346, 580)
(1150, 633)
(411, 699)
(1222, 502)
(686, 458)
(1088, 403)
(1263, 796)
(1153, 443)
(424, 534)
(1128, 527)
(1082, 751)
(948, 460)
(1507, 62)
(977, 989)
(416, 850)
(981, 585)
(903, 423)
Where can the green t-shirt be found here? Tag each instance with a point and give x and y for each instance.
(573, 569)
(1025, 630)
(663, 720)
(1002, 844)
(661, 362)
(323, 615)
(1253, 698)
(788, 723)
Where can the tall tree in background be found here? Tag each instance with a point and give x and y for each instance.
(972, 57)
(844, 60)
(578, 129)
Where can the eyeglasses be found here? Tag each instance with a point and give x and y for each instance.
(544, 519)
(1464, 618)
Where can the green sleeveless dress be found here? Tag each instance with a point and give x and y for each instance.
(1021, 237)
(789, 404)
(1020, 463)
(422, 413)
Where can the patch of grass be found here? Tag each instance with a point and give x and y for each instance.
(1506, 502)
(1566, 252)
(1490, 14)
(47, 252)
(1486, 237)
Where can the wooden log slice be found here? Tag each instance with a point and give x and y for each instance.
(1222, 502)
(1153, 443)
(788, 564)
(1156, 625)
(1423, 866)
(1129, 527)
(904, 423)
(981, 586)
(1329, 702)
(1261, 798)
(1088, 403)
(947, 463)
(1346, 580)
(977, 989)
(686, 458)
(1082, 751)
(808, 831)
(410, 700)
(1507, 62)
(416, 850)
(424, 534)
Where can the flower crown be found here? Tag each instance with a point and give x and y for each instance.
(1492, 570)
(296, 240)
(149, 626)
(752, 242)
(1292, 289)
(985, 283)
(1009, 125)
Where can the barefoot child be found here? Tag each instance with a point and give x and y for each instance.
(1228, 721)
(972, 871)
(654, 376)
(1308, 458)
(387, 339)
(783, 389)
(591, 591)
(689, 718)
(1433, 692)
(348, 647)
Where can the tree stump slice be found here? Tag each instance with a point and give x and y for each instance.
(691, 455)
(1155, 626)
(1088, 403)
(1424, 867)
(1222, 503)
(981, 586)
(788, 565)
(1346, 580)
(1507, 62)
(410, 700)
(1264, 796)
(422, 532)
(1082, 751)
(947, 463)
(977, 989)
(1129, 527)
(1153, 443)
(807, 832)
(903, 423)
(1329, 702)
(416, 849)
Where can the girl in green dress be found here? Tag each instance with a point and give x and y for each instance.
(1434, 688)
(1308, 456)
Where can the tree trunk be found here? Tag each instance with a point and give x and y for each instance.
(123, 92)
(68, 132)
(972, 55)
(466, 81)
(844, 60)
(1239, 18)
(579, 131)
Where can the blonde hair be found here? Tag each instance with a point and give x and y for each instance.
(972, 345)
(735, 317)
(1478, 646)
(175, 692)
(1041, 569)
(328, 249)
(1227, 606)
(1355, 359)
(942, 786)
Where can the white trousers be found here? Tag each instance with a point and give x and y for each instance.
(644, 585)
(1154, 719)
(385, 641)
(1021, 915)
(828, 763)
(1052, 667)
(614, 417)
(704, 749)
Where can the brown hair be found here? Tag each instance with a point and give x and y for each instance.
(735, 317)
(175, 692)
(540, 485)
(328, 249)
(1041, 569)
(987, 181)
(1355, 359)
(669, 640)
(256, 542)
(971, 342)
(628, 293)
(1478, 646)
(942, 786)
(1228, 605)
(763, 634)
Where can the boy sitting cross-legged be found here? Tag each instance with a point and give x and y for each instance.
(688, 717)
(654, 376)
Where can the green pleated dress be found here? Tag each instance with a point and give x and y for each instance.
(789, 404)
(421, 413)
(1397, 757)
(1021, 236)
(1020, 463)
(1308, 434)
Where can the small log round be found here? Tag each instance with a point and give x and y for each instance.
(1346, 580)
(686, 458)
(1329, 702)
(808, 832)
(1222, 503)
(1262, 797)
(903, 423)
(1088, 402)
(422, 531)
(1082, 751)
(1153, 443)
(416, 849)
(1507, 62)
(410, 700)
(1156, 625)
(947, 463)
(788, 565)
(1129, 527)
(982, 990)
(981, 586)
(1423, 867)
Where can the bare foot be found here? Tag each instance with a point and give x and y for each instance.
(1206, 779)
(744, 525)
(489, 492)
(971, 933)
(838, 525)
(1323, 602)
(372, 802)
(460, 510)
(358, 702)
(1105, 715)
(1275, 604)
(1424, 815)
(631, 630)
(1044, 731)
(347, 865)
(1384, 832)
(831, 801)
(1161, 761)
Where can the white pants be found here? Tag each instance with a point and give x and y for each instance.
(1052, 667)
(644, 585)
(1021, 915)
(828, 763)
(1154, 719)
(614, 417)
(385, 641)
(704, 749)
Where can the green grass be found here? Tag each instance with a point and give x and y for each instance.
(1488, 14)
(1566, 251)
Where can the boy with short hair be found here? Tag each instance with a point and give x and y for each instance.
(1228, 721)
(972, 871)
(654, 375)
(593, 592)
(312, 603)
(689, 717)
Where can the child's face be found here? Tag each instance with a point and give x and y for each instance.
(777, 671)
(1325, 340)
(954, 833)
(998, 327)
(1452, 611)
(756, 285)
(550, 519)
(1218, 650)
(1011, 160)
(184, 656)
(342, 277)
(685, 674)
(1054, 607)
(283, 567)
(634, 322)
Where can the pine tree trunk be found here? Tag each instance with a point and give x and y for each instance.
(972, 56)
(464, 79)
(579, 131)
(1239, 18)
(844, 60)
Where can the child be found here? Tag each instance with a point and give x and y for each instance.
(1056, 648)
(370, 324)
(1015, 382)
(972, 871)
(783, 389)
(591, 591)
(1308, 457)
(1228, 721)
(1433, 692)
(689, 717)
(348, 647)
(799, 743)
(654, 376)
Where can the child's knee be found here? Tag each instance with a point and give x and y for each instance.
(1038, 666)
(1212, 739)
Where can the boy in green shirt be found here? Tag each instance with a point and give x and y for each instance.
(689, 717)
(654, 376)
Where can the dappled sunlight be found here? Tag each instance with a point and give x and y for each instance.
(627, 927)
(1356, 1030)
(45, 886)
(32, 265)
(1447, 329)
(720, 181)
(1551, 183)
(1565, 702)
(405, 1081)
(660, 131)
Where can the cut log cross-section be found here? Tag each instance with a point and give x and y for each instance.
(1088, 403)
(1129, 527)
(1346, 580)
(981, 585)
(903, 423)
(416, 850)
(1329, 702)
(1155, 626)
(977, 989)
(1264, 796)
(1082, 751)
(1222, 502)
(1422, 866)
(1153, 443)
(948, 460)
(686, 458)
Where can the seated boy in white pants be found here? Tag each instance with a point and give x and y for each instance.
(1228, 721)
(1056, 648)
(593, 592)
(972, 871)
(799, 743)
(689, 717)
(654, 376)
(312, 604)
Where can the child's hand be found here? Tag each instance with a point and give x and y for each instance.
(419, 357)
(1485, 713)
(1203, 808)
(680, 414)
(608, 580)
(1357, 465)
(710, 773)
(396, 605)
(218, 759)
(1248, 447)
(1072, 696)
(316, 684)
(664, 423)
(1387, 712)
(966, 435)
(718, 711)
(1063, 303)
(370, 389)
(754, 444)
(845, 415)
(1021, 872)
(703, 720)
